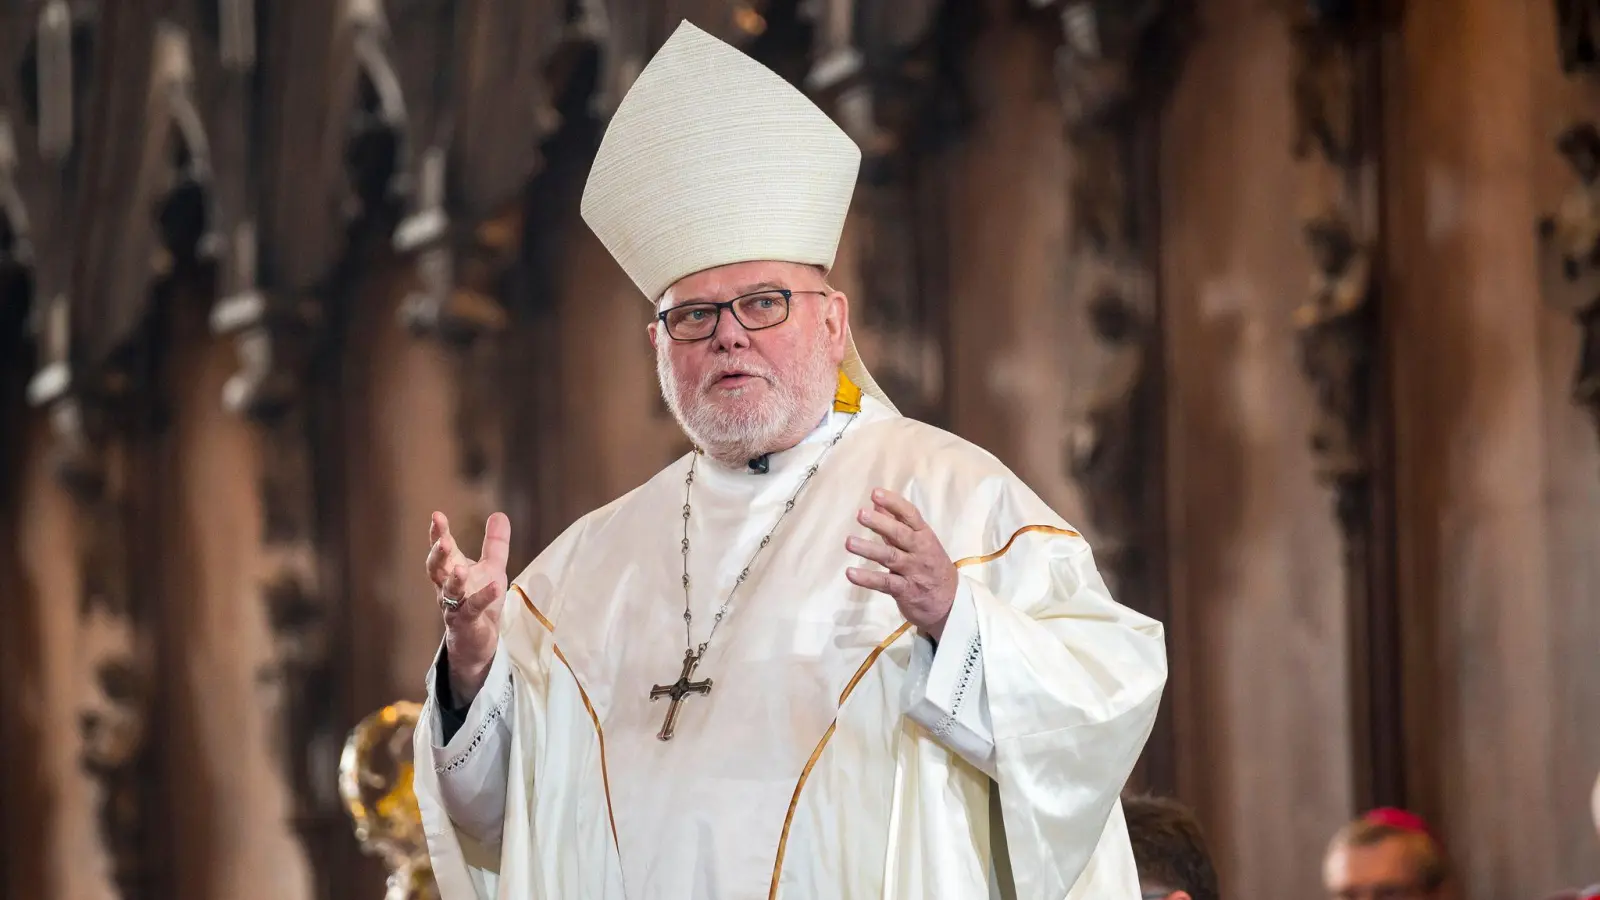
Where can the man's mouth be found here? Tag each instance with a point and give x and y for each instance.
(734, 380)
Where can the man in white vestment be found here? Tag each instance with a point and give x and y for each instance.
(830, 653)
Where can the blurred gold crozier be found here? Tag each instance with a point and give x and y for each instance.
(375, 781)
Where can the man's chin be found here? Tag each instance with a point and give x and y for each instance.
(739, 408)
(735, 424)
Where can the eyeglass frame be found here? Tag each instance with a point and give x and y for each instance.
(719, 306)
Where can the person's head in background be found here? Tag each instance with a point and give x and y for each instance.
(1169, 850)
(1387, 854)
(1592, 892)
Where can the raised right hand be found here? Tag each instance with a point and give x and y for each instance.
(471, 631)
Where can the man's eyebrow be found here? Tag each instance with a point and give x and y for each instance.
(739, 292)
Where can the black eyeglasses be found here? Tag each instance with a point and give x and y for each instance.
(698, 321)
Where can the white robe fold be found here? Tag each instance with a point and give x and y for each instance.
(839, 754)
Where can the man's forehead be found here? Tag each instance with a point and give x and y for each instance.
(727, 282)
(1363, 863)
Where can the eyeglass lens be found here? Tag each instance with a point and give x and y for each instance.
(695, 321)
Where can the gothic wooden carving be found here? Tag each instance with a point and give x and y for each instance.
(53, 93)
(1334, 86)
(1578, 33)
(1326, 90)
(1338, 331)
(57, 65)
(887, 73)
(1106, 442)
(626, 34)
(292, 231)
(94, 458)
(457, 303)
(166, 221)
(16, 229)
(1114, 69)
(464, 229)
(522, 50)
(99, 422)
(275, 336)
(1336, 335)
(1570, 257)
(115, 720)
(236, 34)
(375, 142)
(24, 864)
(332, 153)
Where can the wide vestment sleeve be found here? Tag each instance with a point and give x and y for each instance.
(565, 846)
(1071, 681)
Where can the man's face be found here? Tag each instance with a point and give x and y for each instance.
(749, 392)
(1381, 871)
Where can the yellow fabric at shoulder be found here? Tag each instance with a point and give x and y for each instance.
(848, 398)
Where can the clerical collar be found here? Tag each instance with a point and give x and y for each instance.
(832, 421)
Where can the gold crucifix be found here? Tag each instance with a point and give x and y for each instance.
(678, 690)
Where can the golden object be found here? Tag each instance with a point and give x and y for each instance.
(375, 772)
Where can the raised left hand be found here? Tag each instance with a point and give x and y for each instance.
(920, 577)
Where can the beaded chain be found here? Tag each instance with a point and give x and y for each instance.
(688, 482)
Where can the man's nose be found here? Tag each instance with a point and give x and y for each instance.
(730, 335)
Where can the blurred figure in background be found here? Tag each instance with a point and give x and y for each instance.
(1169, 850)
(1592, 892)
(1387, 854)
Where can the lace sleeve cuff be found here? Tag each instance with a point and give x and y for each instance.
(474, 761)
(480, 722)
(945, 691)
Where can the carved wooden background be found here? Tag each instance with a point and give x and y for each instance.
(1245, 289)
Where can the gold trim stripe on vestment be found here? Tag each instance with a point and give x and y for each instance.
(991, 557)
(794, 801)
(600, 735)
(805, 773)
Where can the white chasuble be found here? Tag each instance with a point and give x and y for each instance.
(838, 753)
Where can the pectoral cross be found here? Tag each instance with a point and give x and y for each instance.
(678, 690)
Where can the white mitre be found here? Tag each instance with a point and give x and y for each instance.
(713, 159)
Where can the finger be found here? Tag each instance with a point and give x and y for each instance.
(877, 551)
(456, 584)
(882, 582)
(496, 541)
(900, 507)
(482, 599)
(438, 526)
(441, 556)
(895, 532)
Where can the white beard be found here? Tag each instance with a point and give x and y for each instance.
(733, 436)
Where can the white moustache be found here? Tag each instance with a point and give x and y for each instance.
(753, 371)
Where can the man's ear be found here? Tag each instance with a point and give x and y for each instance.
(650, 329)
(838, 317)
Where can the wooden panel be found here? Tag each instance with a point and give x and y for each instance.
(230, 832)
(1572, 464)
(23, 864)
(1256, 571)
(312, 81)
(1498, 506)
(403, 451)
(76, 862)
(502, 50)
(1018, 354)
